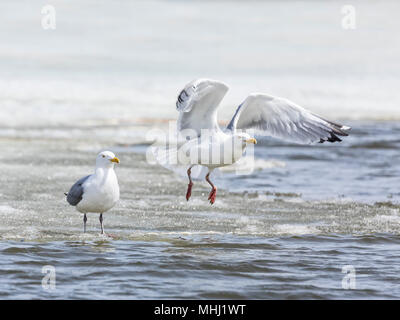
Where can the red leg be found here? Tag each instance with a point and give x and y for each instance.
(189, 189)
(213, 193)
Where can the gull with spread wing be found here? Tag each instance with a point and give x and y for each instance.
(270, 116)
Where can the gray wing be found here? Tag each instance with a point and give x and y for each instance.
(197, 105)
(283, 119)
(74, 195)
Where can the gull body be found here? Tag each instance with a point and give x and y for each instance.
(101, 191)
(98, 192)
(270, 116)
(216, 150)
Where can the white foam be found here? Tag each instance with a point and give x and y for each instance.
(249, 164)
(295, 229)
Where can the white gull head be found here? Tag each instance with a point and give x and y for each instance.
(106, 159)
(243, 139)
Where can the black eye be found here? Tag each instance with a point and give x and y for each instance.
(103, 156)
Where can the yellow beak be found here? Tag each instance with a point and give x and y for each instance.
(116, 160)
(252, 140)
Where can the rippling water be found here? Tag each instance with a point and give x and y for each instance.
(198, 266)
(107, 76)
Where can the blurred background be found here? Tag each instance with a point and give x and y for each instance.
(125, 61)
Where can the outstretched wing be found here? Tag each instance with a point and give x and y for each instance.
(281, 118)
(197, 105)
(74, 196)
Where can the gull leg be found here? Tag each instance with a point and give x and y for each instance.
(189, 189)
(213, 193)
(102, 228)
(101, 223)
(84, 222)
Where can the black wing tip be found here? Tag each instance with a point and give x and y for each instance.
(182, 97)
(333, 138)
(337, 130)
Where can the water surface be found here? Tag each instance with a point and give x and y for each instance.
(111, 72)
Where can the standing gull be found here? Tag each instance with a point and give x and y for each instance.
(98, 192)
(268, 115)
